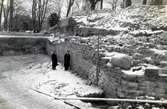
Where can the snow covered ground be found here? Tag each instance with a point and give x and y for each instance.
(21, 74)
(64, 84)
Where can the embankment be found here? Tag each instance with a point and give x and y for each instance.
(83, 62)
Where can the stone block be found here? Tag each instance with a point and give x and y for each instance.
(120, 60)
(152, 73)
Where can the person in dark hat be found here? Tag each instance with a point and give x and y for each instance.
(54, 60)
(67, 60)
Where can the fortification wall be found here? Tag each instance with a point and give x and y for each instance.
(22, 45)
(83, 62)
(112, 80)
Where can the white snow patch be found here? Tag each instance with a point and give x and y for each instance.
(145, 32)
(140, 70)
(134, 73)
(160, 52)
(109, 55)
(64, 83)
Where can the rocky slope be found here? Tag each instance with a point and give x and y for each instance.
(133, 49)
(138, 31)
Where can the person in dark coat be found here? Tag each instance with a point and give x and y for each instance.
(54, 61)
(67, 60)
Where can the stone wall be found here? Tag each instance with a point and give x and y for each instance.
(83, 60)
(143, 85)
(70, 27)
(112, 80)
(84, 65)
(79, 65)
(22, 45)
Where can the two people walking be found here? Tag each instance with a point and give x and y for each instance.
(66, 60)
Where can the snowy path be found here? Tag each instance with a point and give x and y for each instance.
(15, 83)
(21, 98)
(19, 74)
(64, 83)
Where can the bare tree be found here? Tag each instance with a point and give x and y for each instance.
(11, 15)
(39, 9)
(6, 10)
(19, 8)
(144, 2)
(101, 4)
(55, 6)
(93, 3)
(78, 4)
(127, 3)
(1, 10)
(113, 4)
(70, 4)
(34, 16)
(10, 9)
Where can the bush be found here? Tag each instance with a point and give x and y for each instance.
(53, 19)
(22, 23)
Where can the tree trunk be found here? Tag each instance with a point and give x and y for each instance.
(39, 9)
(1, 9)
(144, 2)
(93, 6)
(127, 3)
(71, 2)
(39, 16)
(34, 10)
(6, 15)
(101, 4)
(5, 25)
(69, 8)
(11, 15)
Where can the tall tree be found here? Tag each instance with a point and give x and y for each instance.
(127, 3)
(11, 15)
(101, 4)
(19, 8)
(1, 10)
(55, 6)
(113, 4)
(144, 2)
(6, 10)
(93, 4)
(70, 4)
(34, 16)
(39, 9)
(10, 9)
